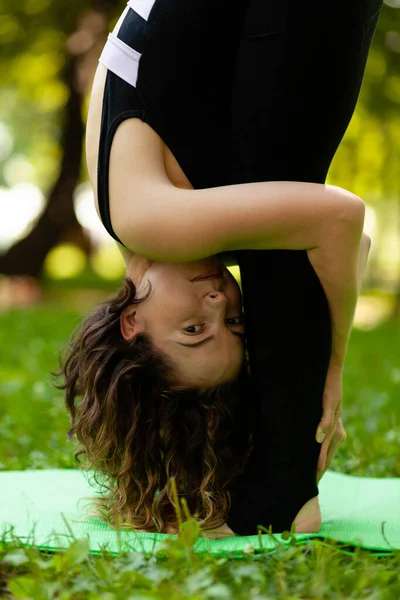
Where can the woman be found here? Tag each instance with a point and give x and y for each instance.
(162, 109)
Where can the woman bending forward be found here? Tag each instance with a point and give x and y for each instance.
(161, 369)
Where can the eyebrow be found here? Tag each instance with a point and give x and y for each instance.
(211, 337)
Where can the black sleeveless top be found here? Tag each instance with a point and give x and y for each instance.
(178, 62)
(120, 102)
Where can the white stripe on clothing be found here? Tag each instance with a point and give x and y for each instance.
(142, 7)
(121, 59)
(117, 56)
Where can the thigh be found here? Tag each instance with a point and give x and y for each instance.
(288, 332)
(298, 75)
(297, 79)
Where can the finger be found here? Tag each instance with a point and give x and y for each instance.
(331, 414)
(330, 447)
(334, 445)
(324, 451)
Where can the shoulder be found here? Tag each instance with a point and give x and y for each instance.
(93, 126)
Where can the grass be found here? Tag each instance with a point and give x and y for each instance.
(33, 426)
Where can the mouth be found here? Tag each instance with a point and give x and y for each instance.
(216, 274)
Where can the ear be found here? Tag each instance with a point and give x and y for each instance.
(129, 325)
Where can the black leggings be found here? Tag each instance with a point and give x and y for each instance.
(299, 70)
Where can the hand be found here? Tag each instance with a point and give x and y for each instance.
(334, 433)
(329, 451)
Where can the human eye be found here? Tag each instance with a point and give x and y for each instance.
(192, 332)
(240, 318)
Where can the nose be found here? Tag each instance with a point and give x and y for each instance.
(216, 299)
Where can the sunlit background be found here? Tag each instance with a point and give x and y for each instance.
(57, 262)
(36, 48)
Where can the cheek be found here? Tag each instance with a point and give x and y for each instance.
(236, 364)
(173, 302)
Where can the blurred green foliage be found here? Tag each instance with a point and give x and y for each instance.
(35, 38)
(33, 42)
(368, 159)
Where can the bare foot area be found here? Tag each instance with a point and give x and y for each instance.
(308, 519)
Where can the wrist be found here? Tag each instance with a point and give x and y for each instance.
(340, 337)
(336, 362)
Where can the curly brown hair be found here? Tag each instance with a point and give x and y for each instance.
(139, 429)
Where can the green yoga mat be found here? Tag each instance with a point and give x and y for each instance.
(358, 511)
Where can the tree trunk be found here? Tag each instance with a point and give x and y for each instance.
(58, 221)
(26, 256)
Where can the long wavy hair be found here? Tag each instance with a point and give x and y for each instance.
(138, 427)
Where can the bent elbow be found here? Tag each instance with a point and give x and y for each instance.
(358, 211)
(356, 208)
(351, 210)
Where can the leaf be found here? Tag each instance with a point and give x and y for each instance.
(135, 579)
(172, 549)
(25, 587)
(77, 552)
(104, 570)
(189, 532)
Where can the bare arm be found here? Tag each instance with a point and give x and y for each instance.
(344, 313)
(165, 223)
(331, 424)
(337, 264)
(343, 302)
